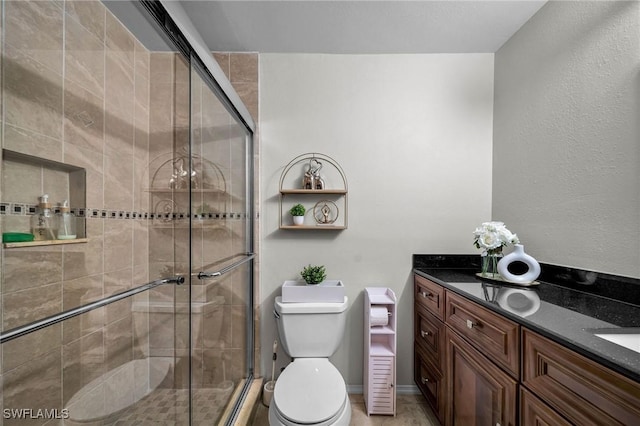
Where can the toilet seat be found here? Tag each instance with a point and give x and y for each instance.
(310, 391)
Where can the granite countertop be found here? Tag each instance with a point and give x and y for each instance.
(563, 311)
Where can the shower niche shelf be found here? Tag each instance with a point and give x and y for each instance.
(45, 243)
(326, 202)
(61, 181)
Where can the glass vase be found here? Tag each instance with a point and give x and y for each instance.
(490, 264)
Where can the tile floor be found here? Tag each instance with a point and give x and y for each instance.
(412, 410)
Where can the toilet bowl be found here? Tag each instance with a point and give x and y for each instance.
(310, 390)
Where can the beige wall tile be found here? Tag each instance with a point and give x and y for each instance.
(84, 57)
(118, 182)
(118, 245)
(116, 282)
(90, 14)
(32, 95)
(21, 183)
(35, 28)
(140, 245)
(118, 341)
(82, 362)
(25, 306)
(243, 68)
(76, 293)
(24, 349)
(119, 114)
(92, 162)
(222, 58)
(83, 117)
(56, 184)
(83, 260)
(35, 385)
(248, 93)
(28, 142)
(119, 41)
(31, 267)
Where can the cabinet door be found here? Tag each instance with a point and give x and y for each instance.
(382, 395)
(479, 393)
(534, 412)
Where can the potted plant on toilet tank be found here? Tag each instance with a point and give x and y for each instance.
(313, 274)
(314, 288)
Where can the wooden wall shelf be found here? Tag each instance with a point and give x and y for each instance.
(292, 191)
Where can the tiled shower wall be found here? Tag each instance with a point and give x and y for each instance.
(75, 90)
(78, 88)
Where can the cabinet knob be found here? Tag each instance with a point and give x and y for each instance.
(424, 333)
(471, 324)
(424, 380)
(426, 295)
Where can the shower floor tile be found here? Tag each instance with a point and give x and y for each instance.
(170, 407)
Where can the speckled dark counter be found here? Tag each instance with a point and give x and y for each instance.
(564, 307)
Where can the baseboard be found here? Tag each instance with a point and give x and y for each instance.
(400, 389)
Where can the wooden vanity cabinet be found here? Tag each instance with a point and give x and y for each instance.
(462, 385)
(476, 367)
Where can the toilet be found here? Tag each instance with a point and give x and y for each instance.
(310, 391)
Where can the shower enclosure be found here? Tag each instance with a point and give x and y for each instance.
(146, 317)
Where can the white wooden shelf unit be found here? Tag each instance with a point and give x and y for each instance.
(379, 374)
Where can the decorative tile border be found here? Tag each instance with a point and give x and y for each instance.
(21, 209)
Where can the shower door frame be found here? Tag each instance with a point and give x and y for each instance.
(171, 31)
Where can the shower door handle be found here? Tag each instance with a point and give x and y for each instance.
(209, 275)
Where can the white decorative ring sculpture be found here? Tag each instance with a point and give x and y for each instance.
(518, 255)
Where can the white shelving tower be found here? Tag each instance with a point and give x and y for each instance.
(380, 354)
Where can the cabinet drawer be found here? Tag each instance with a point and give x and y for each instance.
(429, 334)
(581, 390)
(534, 412)
(429, 379)
(430, 295)
(496, 336)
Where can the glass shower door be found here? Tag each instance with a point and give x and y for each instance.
(221, 302)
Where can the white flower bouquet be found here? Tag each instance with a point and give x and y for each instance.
(490, 237)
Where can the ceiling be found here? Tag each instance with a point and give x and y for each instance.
(359, 27)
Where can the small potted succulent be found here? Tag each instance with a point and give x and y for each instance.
(297, 212)
(313, 274)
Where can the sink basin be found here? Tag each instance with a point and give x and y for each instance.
(627, 337)
(328, 291)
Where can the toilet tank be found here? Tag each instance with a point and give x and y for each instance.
(310, 330)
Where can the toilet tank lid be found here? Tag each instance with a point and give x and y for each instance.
(310, 307)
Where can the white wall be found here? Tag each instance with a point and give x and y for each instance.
(567, 135)
(413, 134)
